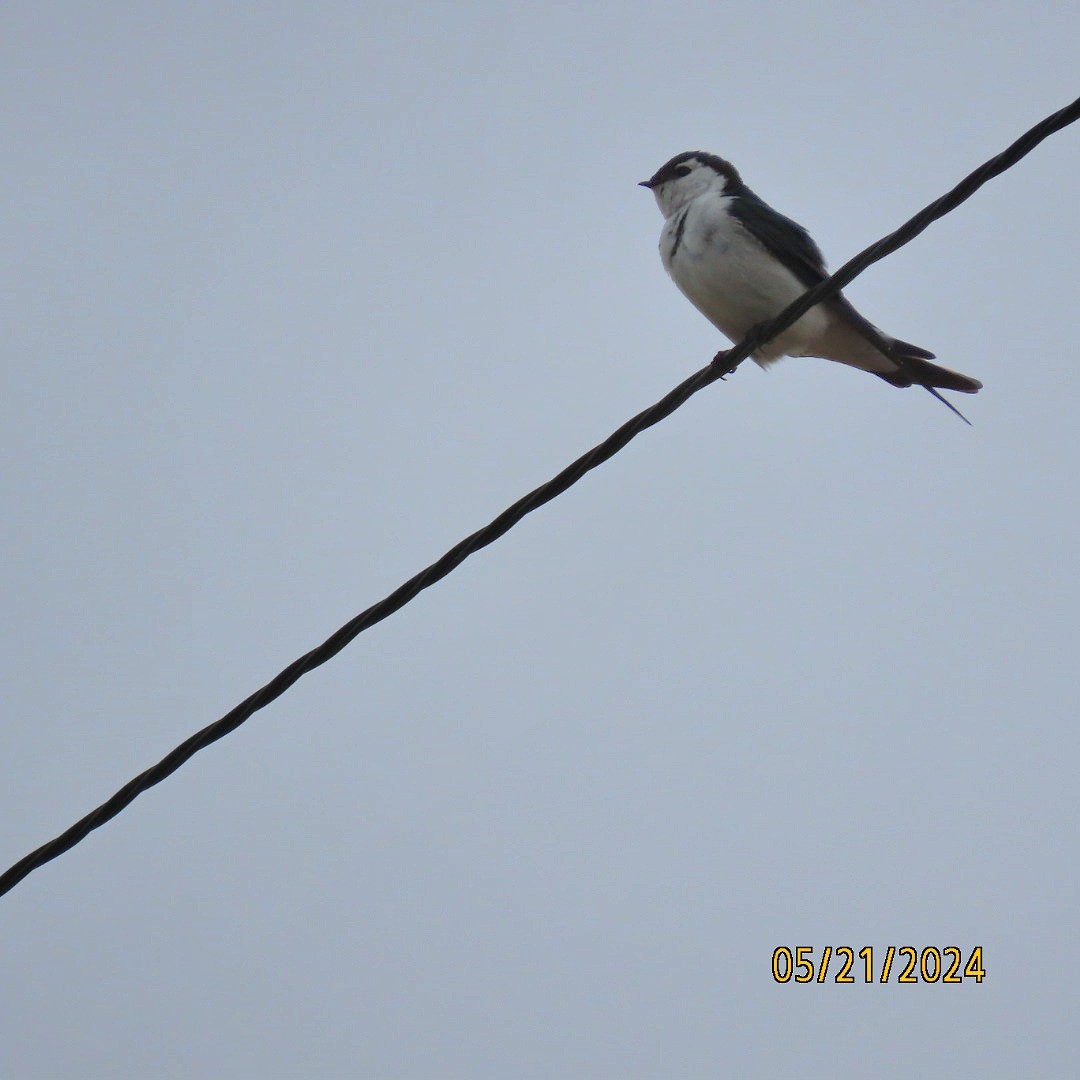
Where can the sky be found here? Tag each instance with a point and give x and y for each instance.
(296, 296)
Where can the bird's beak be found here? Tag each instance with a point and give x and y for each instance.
(645, 183)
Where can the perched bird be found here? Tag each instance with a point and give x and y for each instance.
(739, 262)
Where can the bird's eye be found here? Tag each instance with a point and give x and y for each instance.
(682, 170)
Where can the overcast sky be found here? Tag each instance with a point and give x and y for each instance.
(295, 296)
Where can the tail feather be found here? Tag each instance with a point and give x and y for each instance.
(916, 369)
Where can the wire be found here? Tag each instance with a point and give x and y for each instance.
(723, 364)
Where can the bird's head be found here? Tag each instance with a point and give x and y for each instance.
(688, 175)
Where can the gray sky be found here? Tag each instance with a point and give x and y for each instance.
(296, 296)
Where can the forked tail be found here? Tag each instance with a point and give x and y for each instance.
(916, 370)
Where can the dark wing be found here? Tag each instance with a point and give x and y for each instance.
(787, 240)
(792, 245)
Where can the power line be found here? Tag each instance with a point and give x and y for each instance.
(723, 364)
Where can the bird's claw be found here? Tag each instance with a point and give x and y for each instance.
(719, 359)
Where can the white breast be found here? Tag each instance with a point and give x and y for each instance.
(731, 278)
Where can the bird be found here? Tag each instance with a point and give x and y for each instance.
(740, 262)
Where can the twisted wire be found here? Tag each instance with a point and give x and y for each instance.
(723, 364)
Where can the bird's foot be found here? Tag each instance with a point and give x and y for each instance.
(720, 361)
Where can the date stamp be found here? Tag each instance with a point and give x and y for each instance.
(906, 964)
